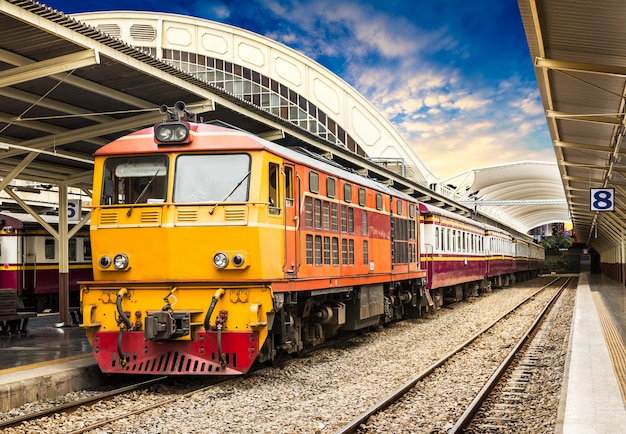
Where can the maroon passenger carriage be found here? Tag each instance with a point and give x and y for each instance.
(29, 260)
(463, 256)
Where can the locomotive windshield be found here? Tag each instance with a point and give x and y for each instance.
(134, 180)
(212, 178)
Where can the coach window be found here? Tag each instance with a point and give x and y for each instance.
(71, 249)
(347, 192)
(314, 182)
(379, 201)
(362, 196)
(331, 188)
(86, 249)
(274, 197)
(436, 246)
(49, 248)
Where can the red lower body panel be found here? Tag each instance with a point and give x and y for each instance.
(176, 357)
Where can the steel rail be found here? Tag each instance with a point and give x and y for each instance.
(354, 425)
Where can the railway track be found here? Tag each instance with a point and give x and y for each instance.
(360, 423)
(69, 407)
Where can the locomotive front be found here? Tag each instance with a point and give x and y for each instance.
(178, 222)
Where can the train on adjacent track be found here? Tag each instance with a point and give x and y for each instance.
(29, 260)
(214, 249)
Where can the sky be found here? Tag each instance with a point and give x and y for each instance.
(454, 77)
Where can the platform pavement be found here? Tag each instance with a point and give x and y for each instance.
(592, 402)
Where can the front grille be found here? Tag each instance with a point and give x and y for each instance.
(172, 362)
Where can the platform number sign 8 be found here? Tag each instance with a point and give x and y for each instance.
(602, 199)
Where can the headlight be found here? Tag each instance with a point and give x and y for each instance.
(220, 260)
(120, 261)
(104, 262)
(171, 132)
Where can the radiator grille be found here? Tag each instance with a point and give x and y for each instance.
(150, 216)
(108, 217)
(234, 214)
(187, 215)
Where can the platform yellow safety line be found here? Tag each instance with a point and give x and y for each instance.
(614, 342)
(44, 364)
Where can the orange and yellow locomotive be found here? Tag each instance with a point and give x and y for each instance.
(213, 248)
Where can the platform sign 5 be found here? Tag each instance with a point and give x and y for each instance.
(602, 199)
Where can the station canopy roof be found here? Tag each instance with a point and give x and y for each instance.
(66, 89)
(579, 56)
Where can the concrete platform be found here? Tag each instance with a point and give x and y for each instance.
(593, 397)
(46, 362)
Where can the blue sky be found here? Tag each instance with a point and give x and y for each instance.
(455, 77)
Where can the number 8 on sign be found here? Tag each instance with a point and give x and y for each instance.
(602, 199)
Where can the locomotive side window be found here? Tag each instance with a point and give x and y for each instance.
(314, 182)
(335, 251)
(334, 217)
(347, 192)
(362, 196)
(134, 180)
(364, 224)
(212, 178)
(331, 188)
(308, 211)
(379, 201)
(366, 258)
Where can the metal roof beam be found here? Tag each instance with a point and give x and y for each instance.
(49, 67)
(592, 68)
(585, 146)
(595, 118)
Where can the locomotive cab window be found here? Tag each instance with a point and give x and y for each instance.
(134, 180)
(215, 178)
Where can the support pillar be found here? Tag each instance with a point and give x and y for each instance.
(64, 267)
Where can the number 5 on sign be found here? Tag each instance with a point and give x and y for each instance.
(602, 199)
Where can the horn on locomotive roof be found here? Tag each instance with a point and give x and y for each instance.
(180, 112)
(181, 108)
